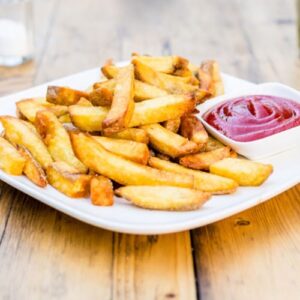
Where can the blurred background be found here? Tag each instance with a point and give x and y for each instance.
(252, 39)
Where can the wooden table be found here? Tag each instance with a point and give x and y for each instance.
(45, 254)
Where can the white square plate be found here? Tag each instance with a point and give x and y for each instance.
(124, 217)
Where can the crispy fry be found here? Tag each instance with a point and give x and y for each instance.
(84, 102)
(202, 161)
(133, 134)
(102, 193)
(109, 70)
(131, 150)
(65, 119)
(68, 180)
(211, 68)
(121, 111)
(203, 181)
(64, 95)
(245, 172)
(162, 156)
(164, 198)
(33, 169)
(172, 84)
(11, 161)
(121, 170)
(22, 133)
(212, 144)
(192, 128)
(206, 82)
(103, 93)
(57, 140)
(29, 107)
(146, 112)
(172, 125)
(168, 142)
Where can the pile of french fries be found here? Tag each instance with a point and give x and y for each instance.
(133, 134)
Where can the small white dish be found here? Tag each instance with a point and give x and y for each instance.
(264, 147)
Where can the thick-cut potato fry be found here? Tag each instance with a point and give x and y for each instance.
(192, 128)
(212, 144)
(206, 82)
(172, 84)
(122, 107)
(68, 180)
(168, 142)
(64, 119)
(64, 95)
(11, 161)
(57, 139)
(172, 125)
(202, 160)
(133, 134)
(145, 112)
(33, 169)
(121, 170)
(110, 71)
(175, 65)
(211, 68)
(203, 181)
(162, 156)
(103, 92)
(164, 197)
(22, 133)
(84, 102)
(102, 193)
(244, 172)
(131, 150)
(29, 107)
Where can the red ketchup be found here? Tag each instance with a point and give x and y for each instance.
(251, 118)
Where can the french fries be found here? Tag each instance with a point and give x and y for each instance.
(64, 95)
(145, 112)
(203, 160)
(22, 133)
(202, 181)
(172, 84)
(132, 134)
(11, 161)
(172, 125)
(68, 180)
(192, 128)
(110, 71)
(131, 150)
(163, 197)
(32, 169)
(57, 140)
(102, 193)
(121, 170)
(211, 144)
(168, 142)
(244, 172)
(121, 111)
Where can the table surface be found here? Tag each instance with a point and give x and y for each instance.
(45, 254)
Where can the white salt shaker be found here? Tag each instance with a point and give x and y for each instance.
(16, 32)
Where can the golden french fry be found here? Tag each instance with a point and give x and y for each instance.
(109, 70)
(11, 161)
(168, 142)
(202, 181)
(244, 172)
(29, 107)
(212, 144)
(68, 180)
(192, 128)
(206, 82)
(33, 169)
(22, 133)
(211, 68)
(172, 84)
(131, 150)
(64, 95)
(102, 193)
(122, 107)
(133, 134)
(172, 125)
(64, 119)
(162, 156)
(57, 139)
(164, 197)
(145, 112)
(84, 102)
(202, 160)
(103, 92)
(121, 170)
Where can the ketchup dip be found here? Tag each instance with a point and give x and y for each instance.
(251, 118)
